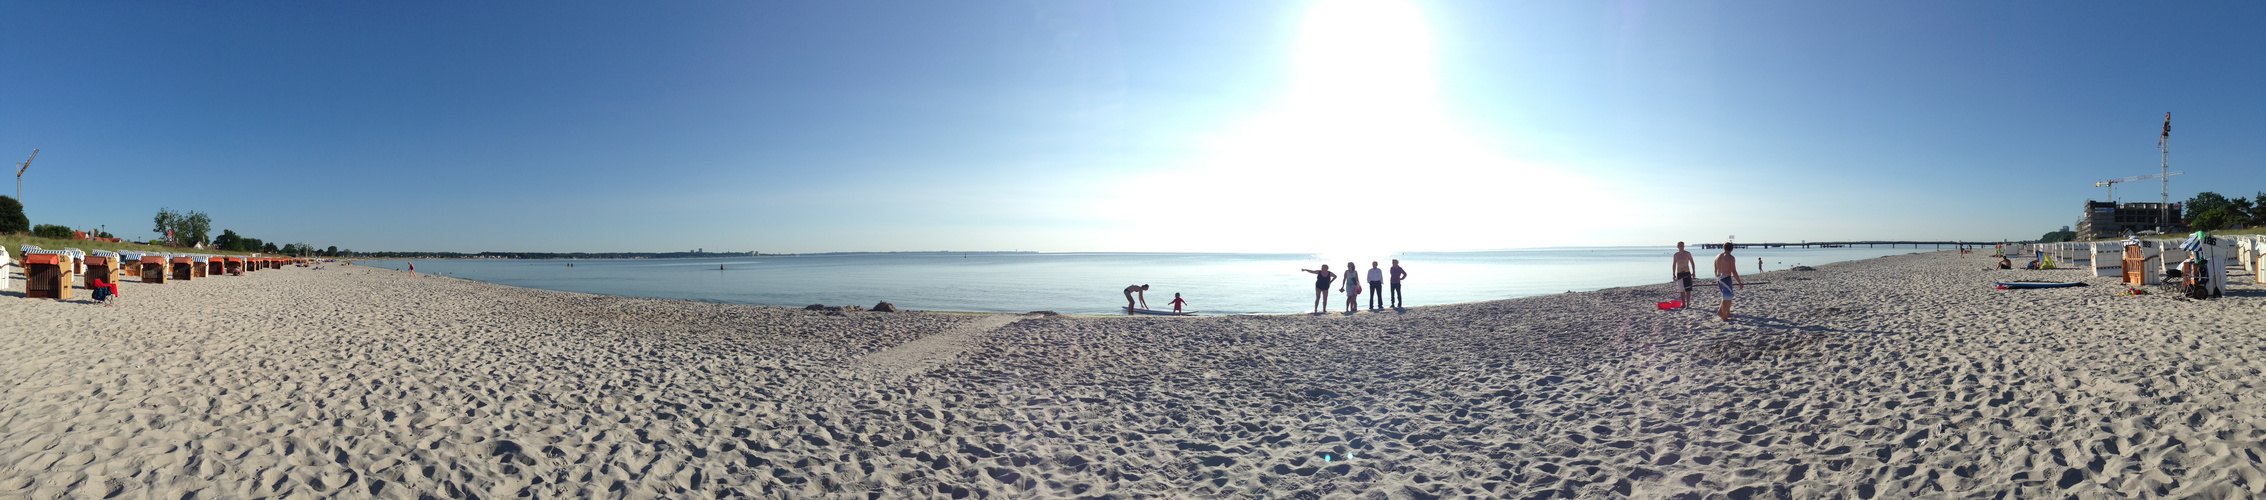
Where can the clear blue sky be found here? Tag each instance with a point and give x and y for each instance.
(1338, 126)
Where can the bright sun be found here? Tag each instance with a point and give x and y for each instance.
(1358, 159)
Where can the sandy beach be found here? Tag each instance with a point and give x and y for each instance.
(1897, 377)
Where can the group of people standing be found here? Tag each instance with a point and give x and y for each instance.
(1352, 286)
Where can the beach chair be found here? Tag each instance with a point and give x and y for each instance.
(7, 281)
(130, 264)
(47, 275)
(2106, 259)
(104, 265)
(153, 268)
(183, 268)
(205, 265)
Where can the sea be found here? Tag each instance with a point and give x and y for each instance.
(1092, 283)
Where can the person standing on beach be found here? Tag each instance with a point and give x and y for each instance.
(1376, 287)
(1727, 272)
(1136, 289)
(1177, 302)
(1352, 288)
(1322, 278)
(1680, 269)
(1398, 275)
(1758, 264)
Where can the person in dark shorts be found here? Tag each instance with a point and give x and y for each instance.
(1322, 279)
(1681, 267)
(1136, 289)
(1376, 287)
(1398, 275)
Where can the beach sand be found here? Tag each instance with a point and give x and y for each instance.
(1903, 376)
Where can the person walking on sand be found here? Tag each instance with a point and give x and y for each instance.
(1143, 290)
(1398, 275)
(1376, 287)
(1322, 278)
(1727, 272)
(1352, 288)
(1680, 274)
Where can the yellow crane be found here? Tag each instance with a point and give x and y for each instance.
(2112, 183)
(26, 165)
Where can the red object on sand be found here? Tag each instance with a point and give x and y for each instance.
(1670, 305)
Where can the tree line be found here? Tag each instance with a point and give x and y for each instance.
(2209, 211)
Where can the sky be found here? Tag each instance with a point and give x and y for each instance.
(1330, 126)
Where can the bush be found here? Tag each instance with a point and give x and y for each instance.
(51, 231)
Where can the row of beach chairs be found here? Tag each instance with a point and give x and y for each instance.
(50, 274)
(2158, 257)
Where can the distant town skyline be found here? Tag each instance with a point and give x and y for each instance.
(1331, 126)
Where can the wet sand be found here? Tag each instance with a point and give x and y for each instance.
(1903, 376)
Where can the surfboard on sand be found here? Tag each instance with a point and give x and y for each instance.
(2037, 284)
(1159, 313)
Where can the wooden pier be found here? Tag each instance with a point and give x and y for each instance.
(1855, 244)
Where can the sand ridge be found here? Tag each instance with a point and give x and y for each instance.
(1898, 377)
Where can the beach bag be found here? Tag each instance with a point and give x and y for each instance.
(1353, 287)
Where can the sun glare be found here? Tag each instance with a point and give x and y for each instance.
(1358, 158)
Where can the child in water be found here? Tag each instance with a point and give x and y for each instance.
(1177, 302)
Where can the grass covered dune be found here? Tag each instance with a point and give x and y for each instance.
(1894, 377)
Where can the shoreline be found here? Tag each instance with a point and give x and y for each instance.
(1900, 376)
(787, 283)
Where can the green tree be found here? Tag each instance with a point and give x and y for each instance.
(331, 252)
(270, 248)
(289, 249)
(2256, 216)
(166, 220)
(185, 229)
(228, 240)
(12, 219)
(2215, 219)
(2058, 236)
(51, 231)
(2203, 203)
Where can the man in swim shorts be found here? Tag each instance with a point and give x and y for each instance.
(1726, 272)
(1680, 270)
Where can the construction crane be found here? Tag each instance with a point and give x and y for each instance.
(2112, 183)
(26, 165)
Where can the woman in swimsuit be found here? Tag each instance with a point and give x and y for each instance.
(1322, 279)
(1352, 288)
(1143, 290)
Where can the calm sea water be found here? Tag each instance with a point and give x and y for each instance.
(1091, 283)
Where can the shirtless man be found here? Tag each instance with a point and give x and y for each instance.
(1727, 272)
(1680, 274)
(1136, 289)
